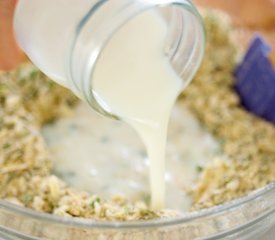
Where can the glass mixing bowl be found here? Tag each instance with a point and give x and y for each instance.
(245, 218)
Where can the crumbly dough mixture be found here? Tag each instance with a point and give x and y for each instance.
(247, 140)
(28, 100)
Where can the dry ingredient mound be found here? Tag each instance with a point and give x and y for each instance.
(247, 140)
(28, 100)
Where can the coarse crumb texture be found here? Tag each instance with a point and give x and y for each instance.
(247, 140)
(28, 100)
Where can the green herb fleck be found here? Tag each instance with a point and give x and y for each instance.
(199, 168)
(6, 145)
(96, 200)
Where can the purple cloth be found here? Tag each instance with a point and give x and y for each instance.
(255, 80)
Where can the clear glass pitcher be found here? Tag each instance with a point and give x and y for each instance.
(64, 38)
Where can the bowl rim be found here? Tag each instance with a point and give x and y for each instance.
(164, 222)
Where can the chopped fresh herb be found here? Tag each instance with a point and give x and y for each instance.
(6, 145)
(27, 198)
(199, 168)
(96, 200)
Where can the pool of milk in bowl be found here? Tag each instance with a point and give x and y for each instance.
(106, 157)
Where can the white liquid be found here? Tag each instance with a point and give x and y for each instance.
(106, 157)
(135, 80)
